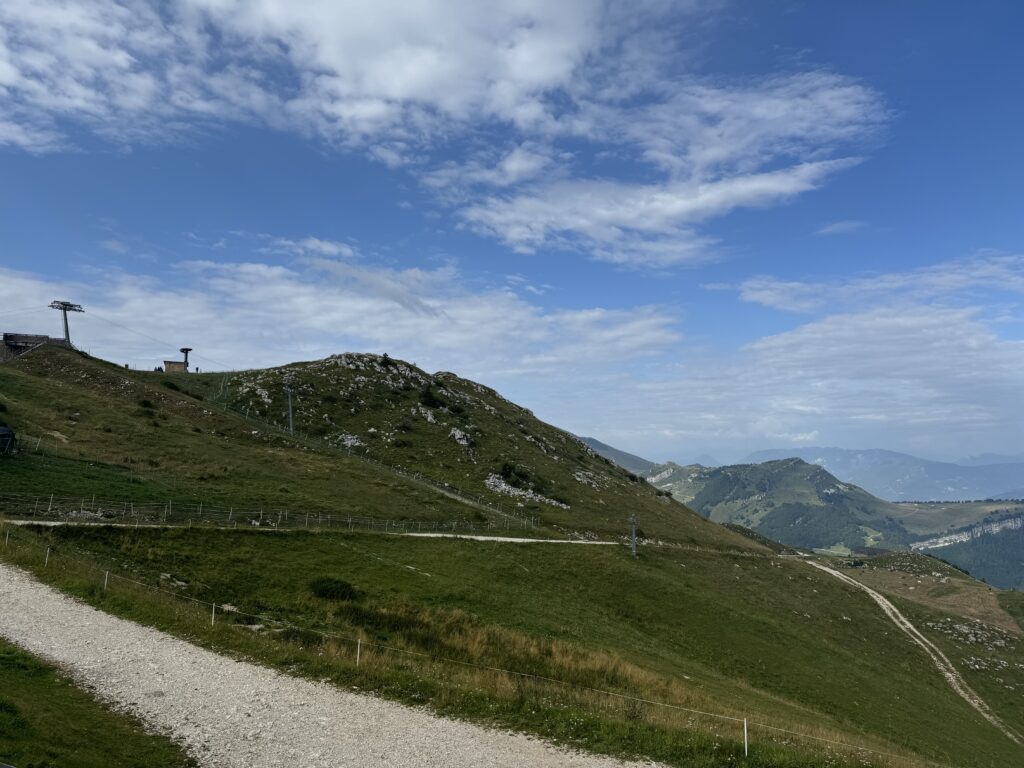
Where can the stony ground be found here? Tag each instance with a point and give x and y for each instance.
(229, 713)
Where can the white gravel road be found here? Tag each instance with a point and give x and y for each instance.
(229, 713)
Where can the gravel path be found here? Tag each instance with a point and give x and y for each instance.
(939, 659)
(466, 536)
(229, 713)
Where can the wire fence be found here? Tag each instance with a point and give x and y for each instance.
(86, 510)
(53, 556)
(50, 445)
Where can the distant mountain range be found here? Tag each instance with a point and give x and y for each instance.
(788, 500)
(902, 477)
(800, 503)
(983, 459)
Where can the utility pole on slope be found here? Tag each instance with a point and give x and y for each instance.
(291, 422)
(65, 307)
(632, 535)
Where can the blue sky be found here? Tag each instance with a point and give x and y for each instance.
(684, 228)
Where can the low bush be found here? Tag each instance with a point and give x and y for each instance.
(330, 588)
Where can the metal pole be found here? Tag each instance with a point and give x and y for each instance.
(67, 333)
(213, 614)
(632, 535)
(746, 741)
(291, 423)
(47, 560)
(106, 576)
(359, 650)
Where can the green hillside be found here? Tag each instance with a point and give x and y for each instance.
(761, 637)
(788, 500)
(707, 618)
(91, 429)
(463, 435)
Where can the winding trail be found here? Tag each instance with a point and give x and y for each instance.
(234, 714)
(941, 661)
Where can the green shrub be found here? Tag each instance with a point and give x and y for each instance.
(330, 588)
(429, 399)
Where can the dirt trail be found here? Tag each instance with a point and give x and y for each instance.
(230, 714)
(944, 665)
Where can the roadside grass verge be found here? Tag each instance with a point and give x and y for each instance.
(46, 721)
(443, 609)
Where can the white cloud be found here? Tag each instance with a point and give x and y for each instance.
(924, 379)
(650, 224)
(955, 280)
(843, 227)
(255, 314)
(547, 88)
(309, 246)
(115, 246)
(934, 379)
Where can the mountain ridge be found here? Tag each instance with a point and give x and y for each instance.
(788, 500)
(895, 476)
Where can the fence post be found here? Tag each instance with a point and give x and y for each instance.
(47, 560)
(106, 576)
(359, 650)
(746, 741)
(213, 613)
(50, 508)
(7, 538)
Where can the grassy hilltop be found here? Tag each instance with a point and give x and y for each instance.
(220, 439)
(707, 618)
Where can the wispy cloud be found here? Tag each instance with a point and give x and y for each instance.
(255, 313)
(844, 227)
(645, 224)
(909, 375)
(956, 280)
(308, 246)
(114, 246)
(550, 88)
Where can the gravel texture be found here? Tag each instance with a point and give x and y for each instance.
(231, 713)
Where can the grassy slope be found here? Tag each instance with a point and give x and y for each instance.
(756, 636)
(1013, 604)
(934, 584)
(935, 517)
(46, 721)
(718, 630)
(104, 428)
(978, 628)
(788, 500)
(404, 416)
(121, 425)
